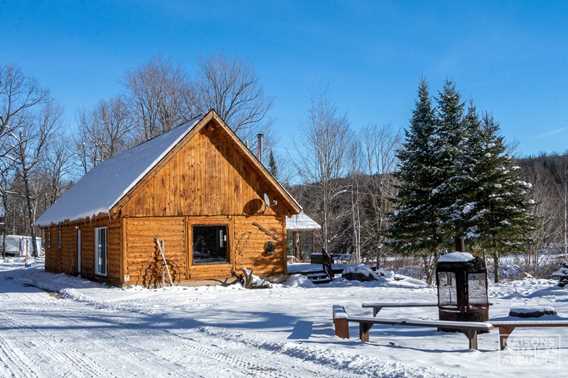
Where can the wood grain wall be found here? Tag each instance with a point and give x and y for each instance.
(64, 259)
(207, 175)
(247, 239)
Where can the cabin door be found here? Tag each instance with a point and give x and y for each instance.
(78, 251)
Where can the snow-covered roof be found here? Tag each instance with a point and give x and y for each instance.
(301, 222)
(103, 186)
(454, 257)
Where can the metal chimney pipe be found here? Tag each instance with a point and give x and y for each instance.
(259, 140)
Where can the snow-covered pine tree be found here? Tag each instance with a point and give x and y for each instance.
(472, 160)
(502, 216)
(451, 152)
(415, 226)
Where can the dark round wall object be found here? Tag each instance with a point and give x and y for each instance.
(253, 207)
(269, 247)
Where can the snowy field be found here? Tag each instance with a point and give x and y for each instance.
(56, 325)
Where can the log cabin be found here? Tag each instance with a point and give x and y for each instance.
(198, 188)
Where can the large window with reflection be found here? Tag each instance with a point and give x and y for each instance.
(210, 244)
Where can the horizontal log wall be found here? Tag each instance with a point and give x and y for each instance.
(141, 259)
(64, 259)
(247, 239)
(251, 236)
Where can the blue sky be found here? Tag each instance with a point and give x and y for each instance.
(510, 57)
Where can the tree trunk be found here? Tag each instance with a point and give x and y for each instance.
(496, 265)
(459, 243)
(325, 218)
(4, 226)
(30, 212)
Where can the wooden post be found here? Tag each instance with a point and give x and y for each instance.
(341, 328)
(472, 337)
(340, 322)
(364, 328)
(504, 333)
(296, 242)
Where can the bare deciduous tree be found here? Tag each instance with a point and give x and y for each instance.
(55, 167)
(356, 178)
(18, 93)
(380, 145)
(233, 90)
(160, 97)
(103, 133)
(29, 140)
(323, 160)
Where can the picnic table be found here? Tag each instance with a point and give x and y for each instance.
(341, 321)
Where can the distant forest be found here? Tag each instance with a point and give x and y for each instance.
(547, 172)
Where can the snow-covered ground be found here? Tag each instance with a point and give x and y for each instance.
(56, 325)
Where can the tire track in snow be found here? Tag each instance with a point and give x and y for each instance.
(15, 360)
(201, 352)
(252, 366)
(126, 350)
(82, 364)
(247, 366)
(74, 362)
(190, 356)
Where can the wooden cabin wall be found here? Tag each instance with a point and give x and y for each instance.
(51, 260)
(247, 239)
(64, 259)
(250, 237)
(207, 175)
(140, 255)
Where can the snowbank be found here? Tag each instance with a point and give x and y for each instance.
(298, 280)
(362, 270)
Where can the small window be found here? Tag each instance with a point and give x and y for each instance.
(101, 251)
(447, 290)
(59, 237)
(210, 244)
(47, 237)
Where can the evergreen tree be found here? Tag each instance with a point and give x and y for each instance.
(452, 158)
(457, 181)
(416, 223)
(502, 216)
(272, 167)
(472, 158)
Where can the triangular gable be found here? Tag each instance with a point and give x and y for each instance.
(106, 186)
(247, 154)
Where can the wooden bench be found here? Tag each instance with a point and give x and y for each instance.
(506, 327)
(378, 306)
(341, 321)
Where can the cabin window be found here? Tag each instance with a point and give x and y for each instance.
(59, 237)
(47, 236)
(101, 251)
(210, 244)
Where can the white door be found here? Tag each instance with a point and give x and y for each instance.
(101, 251)
(79, 250)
